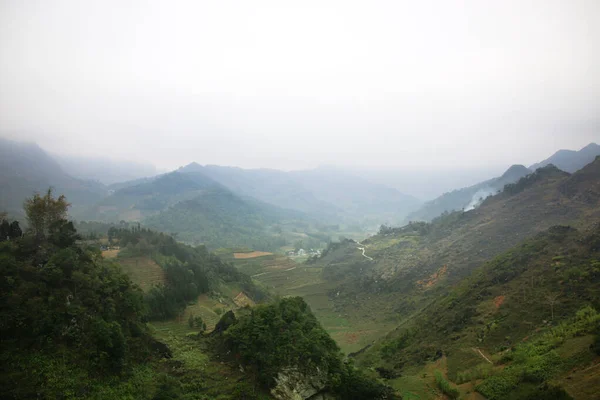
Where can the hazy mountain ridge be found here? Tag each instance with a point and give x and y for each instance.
(103, 169)
(469, 197)
(25, 168)
(324, 192)
(571, 160)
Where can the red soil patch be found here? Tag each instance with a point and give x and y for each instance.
(433, 279)
(498, 301)
(351, 338)
(251, 254)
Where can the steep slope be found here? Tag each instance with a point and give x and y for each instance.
(324, 192)
(469, 197)
(571, 160)
(521, 322)
(394, 274)
(25, 168)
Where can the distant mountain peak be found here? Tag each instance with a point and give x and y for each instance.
(571, 160)
(591, 146)
(515, 170)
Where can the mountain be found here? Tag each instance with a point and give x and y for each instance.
(103, 169)
(328, 193)
(218, 218)
(200, 210)
(25, 168)
(443, 285)
(145, 197)
(469, 197)
(571, 160)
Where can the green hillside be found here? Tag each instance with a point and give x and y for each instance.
(199, 210)
(530, 299)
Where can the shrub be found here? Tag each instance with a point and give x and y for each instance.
(445, 386)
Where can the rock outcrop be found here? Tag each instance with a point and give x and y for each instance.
(293, 384)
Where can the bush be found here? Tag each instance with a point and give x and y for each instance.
(445, 386)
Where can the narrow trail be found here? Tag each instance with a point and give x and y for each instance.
(475, 349)
(362, 248)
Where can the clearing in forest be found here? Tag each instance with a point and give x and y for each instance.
(143, 271)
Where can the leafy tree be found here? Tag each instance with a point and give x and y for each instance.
(44, 212)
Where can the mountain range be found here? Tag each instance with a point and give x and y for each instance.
(199, 202)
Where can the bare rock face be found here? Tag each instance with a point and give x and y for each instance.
(295, 385)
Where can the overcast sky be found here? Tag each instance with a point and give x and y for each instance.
(291, 85)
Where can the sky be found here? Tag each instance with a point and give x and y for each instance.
(291, 85)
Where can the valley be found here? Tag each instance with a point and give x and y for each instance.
(494, 302)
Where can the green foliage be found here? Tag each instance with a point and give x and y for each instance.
(284, 335)
(536, 362)
(190, 271)
(280, 335)
(43, 212)
(445, 386)
(393, 346)
(480, 371)
(68, 316)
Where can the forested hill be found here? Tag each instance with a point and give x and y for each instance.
(218, 218)
(199, 210)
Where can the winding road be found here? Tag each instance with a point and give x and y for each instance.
(362, 248)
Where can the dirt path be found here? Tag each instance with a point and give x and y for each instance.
(475, 349)
(362, 248)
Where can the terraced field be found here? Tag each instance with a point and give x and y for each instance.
(143, 271)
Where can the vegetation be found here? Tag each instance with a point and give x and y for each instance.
(445, 386)
(190, 271)
(285, 335)
(533, 364)
(69, 318)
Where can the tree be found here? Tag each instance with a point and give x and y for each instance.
(44, 212)
(552, 300)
